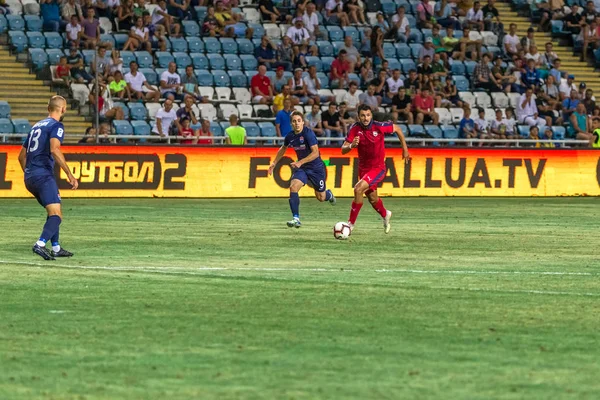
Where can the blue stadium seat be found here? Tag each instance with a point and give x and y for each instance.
(238, 79)
(123, 107)
(182, 59)
(523, 131)
(450, 132)
(216, 61)
(6, 126)
(36, 40)
(141, 128)
(21, 125)
(229, 46)
(407, 65)
(316, 61)
(233, 62)
(204, 77)
(245, 46)
(120, 39)
(195, 44)
(412, 21)
(34, 23)
(137, 111)
(325, 48)
(128, 57)
(159, 71)
(108, 38)
(457, 67)
(252, 130)
(88, 56)
(394, 64)
(53, 40)
(356, 78)
(259, 31)
(352, 32)
(122, 127)
(164, 58)
(415, 49)
(239, 29)
(212, 45)
(267, 129)
(38, 58)
(336, 34)
(200, 61)
(54, 56)
(434, 131)
(558, 132)
(216, 129)
(250, 74)
(402, 50)
(470, 66)
(3, 24)
(201, 12)
(144, 59)
(249, 62)
(336, 47)
(494, 51)
(191, 28)
(15, 22)
(221, 78)
(179, 45)
(324, 79)
(461, 83)
(415, 129)
(4, 109)
(389, 50)
(326, 63)
(388, 7)
(18, 40)
(151, 75)
(224, 124)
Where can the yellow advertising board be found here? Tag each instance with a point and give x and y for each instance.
(169, 171)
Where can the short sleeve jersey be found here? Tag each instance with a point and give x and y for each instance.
(301, 143)
(39, 160)
(371, 146)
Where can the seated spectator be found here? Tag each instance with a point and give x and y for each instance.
(185, 112)
(279, 80)
(438, 67)
(535, 56)
(63, 71)
(425, 69)
(50, 12)
(589, 36)
(401, 27)
(102, 65)
(115, 62)
(556, 72)
(466, 129)
(497, 127)
(235, 134)
(285, 53)
(205, 131)
(393, 85)
(351, 99)
(265, 53)
(501, 75)
(546, 111)
(548, 135)
(139, 37)
(112, 8)
(528, 40)
(427, 50)
(339, 71)
(334, 13)
(190, 85)
(139, 8)
(423, 107)
(170, 83)
(549, 92)
(332, 125)
(382, 23)
(226, 19)
(279, 100)
(468, 47)
(118, 87)
(481, 125)
(165, 118)
(313, 85)
(483, 77)
(105, 108)
(298, 88)
(345, 118)
(549, 57)
(74, 31)
(313, 120)
(579, 127)
(450, 94)
(491, 18)
(574, 21)
(260, 86)
(366, 71)
(589, 100)
(474, 17)
(89, 136)
(512, 43)
(425, 16)
(311, 22)
(412, 83)
(527, 112)
(187, 132)
(355, 12)
(139, 88)
(69, 9)
(531, 77)
(565, 88)
(181, 11)
(270, 13)
(283, 125)
(77, 67)
(156, 33)
(300, 57)
(570, 104)
(369, 98)
(211, 26)
(160, 16)
(91, 30)
(590, 14)
(352, 54)
(554, 11)
(298, 33)
(446, 15)
(402, 106)
(126, 15)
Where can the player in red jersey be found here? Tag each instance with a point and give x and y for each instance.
(368, 136)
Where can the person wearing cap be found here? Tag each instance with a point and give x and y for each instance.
(334, 13)
(427, 50)
(298, 88)
(425, 17)
(474, 17)
(445, 15)
(567, 87)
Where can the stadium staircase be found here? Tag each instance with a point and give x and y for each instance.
(28, 96)
(569, 62)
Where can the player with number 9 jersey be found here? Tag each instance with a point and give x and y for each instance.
(40, 151)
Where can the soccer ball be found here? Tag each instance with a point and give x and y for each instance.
(341, 231)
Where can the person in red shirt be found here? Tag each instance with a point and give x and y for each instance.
(368, 136)
(260, 84)
(424, 109)
(339, 70)
(205, 131)
(63, 70)
(187, 132)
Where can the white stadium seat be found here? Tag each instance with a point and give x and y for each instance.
(272, 31)
(208, 111)
(500, 100)
(242, 95)
(223, 93)
(457, 114)
(514, 99)
(483, 99)
(445, 116)
(339, 94)
(152, 109)
(245, 111)
(80, 92)
(468, 97)
(228, 109)
(207, 91)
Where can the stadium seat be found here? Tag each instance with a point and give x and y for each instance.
(325, 48)
(407, 65)
(394, 64)
(152, 109)
(233, 62)
(204, 77)
(191, 28)
(402, 50)
(21, 125)
(216, 129)
(228, 109)
(18, 40)
(127, 57)
(258, 29)
(461, 83)
(208, 111)
(3, 24)
(182, 59)
(108, 38)
(199, 61)
(105, 24)
(415, 49)
(216, 61)
(245, 111)
(457, 114)
(415, 129)
(137, 111)
(88, 56)
(326, 63)
(352, 32)
(523, 131)
(164, 58)
(469, 98)
(245, 46)
(229, 46)
(445, 116)
(223, 93)
(249, 62)
(195, 44)
(242, 95)
(36, 40)
(33, 22)
(316, 61)
(54, 56)
(38, 58)
(201, 12)
(490, 114)
(238, 79)
(513, 99)
(434, 131)
(483, 99)
(389, 51)
(141, 128)
(123, 107)
(272, 30)
(339, 94)
(267, 129)
(252, 130)
(53, 40)
(179, 45)
(558, 132)
(207, 91)
(450, 132)
(336, 34)
(388, 7)
(251, 15)
(470, 67)
(144, 59)
(323, 78)
(6, 126)
(212, 45)
(457, 67)
(221, 78)
(4, 109)
(120, 39)
(15, 22)
(122, 127)
(151, 75)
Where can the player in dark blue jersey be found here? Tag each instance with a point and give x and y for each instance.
(309, 166)
(37, 157)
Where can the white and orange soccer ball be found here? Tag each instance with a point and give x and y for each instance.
(341, 231)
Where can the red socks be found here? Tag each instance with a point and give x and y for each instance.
(380, 208)
(354, 212)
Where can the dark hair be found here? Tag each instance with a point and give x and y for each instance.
(297, 113)
(352, 83)
(133, 62)
(412, 70)
(342, 52)
(189, 66)
(363, 107)
(343, 103)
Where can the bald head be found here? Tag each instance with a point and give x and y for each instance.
(57, 104)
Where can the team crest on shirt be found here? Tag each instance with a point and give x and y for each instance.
(375, 133)
(301, 139)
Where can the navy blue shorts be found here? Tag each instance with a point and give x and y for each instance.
(44, 189)
(316, 176)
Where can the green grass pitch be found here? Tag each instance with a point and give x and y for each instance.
(218, 299)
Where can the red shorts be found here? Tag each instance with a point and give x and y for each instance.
(372, 176)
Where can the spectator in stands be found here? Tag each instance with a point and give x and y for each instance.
(270, 13)
(531, 76)
(382, 23)
(160, 16)
(77, 67)
(556, 72)
(490, 13)
(438, 67)
(74, 30)
(589, 101)
(549, 92)
(451, 45)
(313, 85)
(298, 33)
(393, 84)
(89, 136)
(468, 47)
(104, 107)
(574, 21)
(285, 53)
(283, 125)
(138, 86)
(190, 85)
(555, 11)
(51, 16)
(425, 16)
(170, 83)
(298, 88)
(265, 53)
(279, 100)
(311, 22)
(101, 66)
(156, 33)
(527, 112)
(512, 44)
(69, 9)
(351, 99)
(260, 86)
(279, 80)
(211, 27)
(401, 27)
(334, 13)
(549, 56)
(352, 54)
(497, 126)
(235, 134)
(535, 56)
(339, 71)
(589, 36)
(345, 118)
(483, 77)
(369, 98)
(181, 11)
(91, 30)
(427, 50)
(412, 83)
(331, 123)
(423, 106)
(528, 40)
(300, 56)
(126, 15)
(566, 87)
(355, 12)
(474, 17)
(590, 14)
(139, 37)
(445, 15)
(118, 87)
(466, 129)
(425, 69)
(205, 131)
(450, 94)
(226, 18)
(165, 117)
(63, 71)
(187, 132)
(185, 112)
(112, 8)
(313, 120)
(366, 71)
(546, 111)
(580, 125)
(570, 104)
(402, 106)
(377, 45)
(481, 125)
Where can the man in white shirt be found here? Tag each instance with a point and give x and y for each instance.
(566, 86)
(351, 99)
(138, 86)
(313, 84)
(475, 17)
(311, 22)
(512, 44)
(535, 56)
(164, 119)
(298, 33)
(74, 30)
(401, 25)
(170, 83)
(394, 84)
(527, 112)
